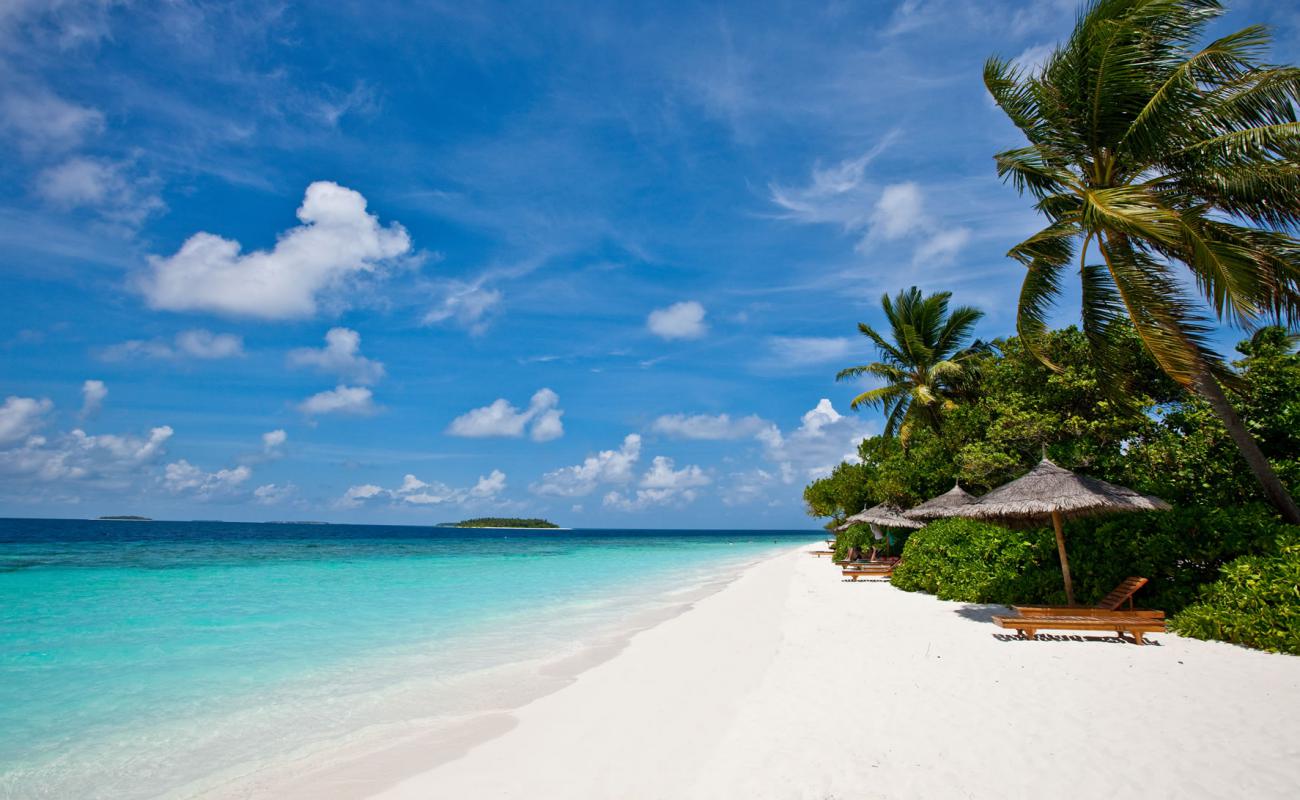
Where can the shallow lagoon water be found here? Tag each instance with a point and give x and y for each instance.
(158, 659)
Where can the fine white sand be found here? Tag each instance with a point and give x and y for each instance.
(790, 683)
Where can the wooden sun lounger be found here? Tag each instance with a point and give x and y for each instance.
(1105, 616)
(1133, 623)
(1111, 602)
(869, 571)
(820, 553)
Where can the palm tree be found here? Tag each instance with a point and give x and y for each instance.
(1178, 167)
(923, 363)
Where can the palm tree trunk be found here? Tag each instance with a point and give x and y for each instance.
(1208, 387)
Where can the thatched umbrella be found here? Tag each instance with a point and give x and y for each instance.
(886, 514)
(945, 505)
(1051, 491)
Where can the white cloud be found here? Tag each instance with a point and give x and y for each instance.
(708, 426)
(898, 212)
(92, 397)
(941, 248)
(684, 320)
(607, 466)
(501, 418)
(467, 305)
(416, 492)
(337, 240)
(22, 416)
(835, 195)
(41, 121)
(272, 441)
(197, 343)
(356, 494)
(803, 351)
(489, 486)
(661, 485)
(339, 400)
(109, 459)
(340, 356)
(102, 185)
(269, 494)
(823, 439)
(1034, 58)
(183, 477)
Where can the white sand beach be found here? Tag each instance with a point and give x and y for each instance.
(790, 683)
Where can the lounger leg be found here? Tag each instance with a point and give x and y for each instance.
(1137, 637)
(1028, 634)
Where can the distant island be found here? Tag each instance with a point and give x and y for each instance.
(126, 518)
(499, 522)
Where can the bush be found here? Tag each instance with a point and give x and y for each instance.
(1178, 551)
(1255, 603)
(961, 559)
(861, 537)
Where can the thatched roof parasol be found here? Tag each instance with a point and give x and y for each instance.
(886, 515)
(945, 505)
(1048, 489)
(1051, 491)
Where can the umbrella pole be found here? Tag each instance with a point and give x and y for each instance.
(1065, 562)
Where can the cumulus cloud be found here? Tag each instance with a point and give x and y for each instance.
(896, 212)
(22, 416)
(180, 477)
(708, 426)
(684, 320)
(341, 356)
(467, 305)
(269, 494)
(339, 400)
(823, 439)
(415, 492)
(605, 467)
(92, 398)
(661, 485)
(107, 459)
(500, 418)
(196, 343)
(272, 441)
(336, 241)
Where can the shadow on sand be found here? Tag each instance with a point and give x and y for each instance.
(983, 614)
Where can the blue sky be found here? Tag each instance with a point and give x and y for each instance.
(595, 262)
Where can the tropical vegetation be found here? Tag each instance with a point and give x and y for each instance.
(1168, 173)
(1165, 170)
(922, 368)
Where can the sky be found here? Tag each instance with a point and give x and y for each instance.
(412, 263)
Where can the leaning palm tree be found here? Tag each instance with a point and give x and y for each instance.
(1177, 167)
(922, 364)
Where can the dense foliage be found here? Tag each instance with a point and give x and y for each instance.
(1255, 602)
(1168, 173)
(921, 362)
(499, 522)
(1178, 552)
(963, 559)
(1160, 439)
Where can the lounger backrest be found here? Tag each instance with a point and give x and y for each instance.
(1121, 593)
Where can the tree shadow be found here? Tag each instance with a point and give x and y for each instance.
(982, 612)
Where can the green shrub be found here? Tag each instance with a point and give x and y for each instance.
(1256, 602)
(1178, 551)
(961, 559)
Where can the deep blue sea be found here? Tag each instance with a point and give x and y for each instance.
(150, 659)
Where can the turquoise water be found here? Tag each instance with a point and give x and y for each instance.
(160, 659)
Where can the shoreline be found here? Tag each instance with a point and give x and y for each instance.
(791, 683)
(377, 757)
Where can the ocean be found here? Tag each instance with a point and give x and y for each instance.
(170, 659)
